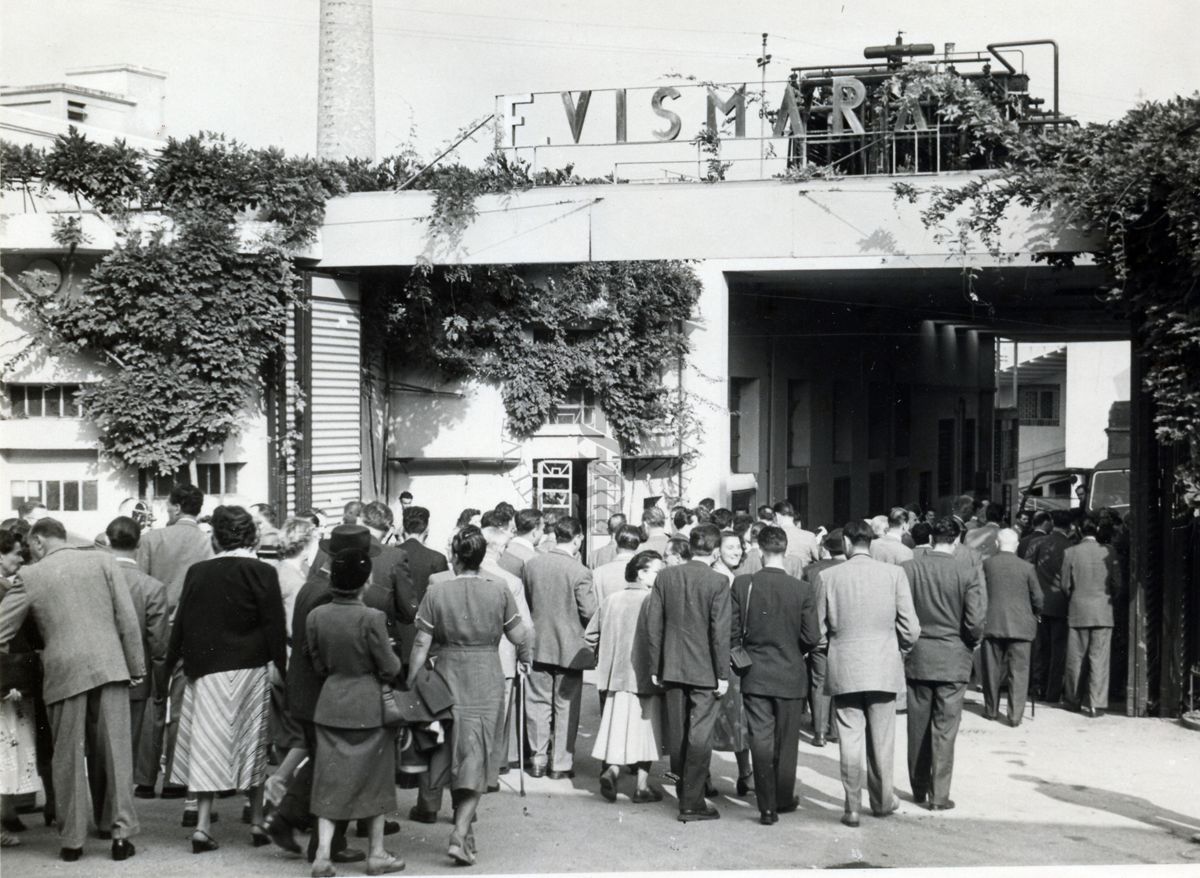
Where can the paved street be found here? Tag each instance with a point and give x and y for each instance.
(1061, 789)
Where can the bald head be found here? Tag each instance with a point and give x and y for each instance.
(1008, 539)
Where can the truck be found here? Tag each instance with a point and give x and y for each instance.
(1104, 486)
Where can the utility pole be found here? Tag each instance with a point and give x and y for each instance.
(763, 60)
(346, 81)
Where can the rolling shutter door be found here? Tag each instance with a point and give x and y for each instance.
(335, 394)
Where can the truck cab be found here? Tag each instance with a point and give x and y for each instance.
(1106, 485)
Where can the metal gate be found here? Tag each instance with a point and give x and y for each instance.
(553, 487)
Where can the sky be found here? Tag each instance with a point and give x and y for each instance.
(248, 68)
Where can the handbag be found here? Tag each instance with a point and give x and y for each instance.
(739, 658)
(390, 707)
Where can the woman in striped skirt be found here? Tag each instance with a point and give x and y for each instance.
(228, 630)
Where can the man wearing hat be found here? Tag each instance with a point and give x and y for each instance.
(303, 689)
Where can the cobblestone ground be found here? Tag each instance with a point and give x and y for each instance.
(1061, 789)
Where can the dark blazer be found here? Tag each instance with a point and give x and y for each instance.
(1014, 598)
(811, 571)
(85, 617)
(423, 562)
(1047, 559)
(230, 617)
(150, 604)
(562, 602)
(1027, 542)
(951, 606)
(166, 553)
(303, 681)
(1090, 578)
(779, 615)
(348, 643)
(687, 623)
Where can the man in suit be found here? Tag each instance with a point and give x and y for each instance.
(608, 551)
(1050, 649)
(867, 618)
(523, 545)
(654, 526)
(1014, 601)
(889, 548)
(303, 689)
(774, 617)
(166, 554)
(687, 631)
(952, 608)
(983, 539)
(819, 702)
(423, 562)
(150, 605)
(1090, 578)
(93, 654)
(562, 601)
(390, 587)
(610, 578)
(802, 543)
(1040, 526)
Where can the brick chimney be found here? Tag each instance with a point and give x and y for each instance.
(346, 85)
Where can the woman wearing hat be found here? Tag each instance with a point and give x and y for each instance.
(466, 617)
(355, 766)
(228, 630)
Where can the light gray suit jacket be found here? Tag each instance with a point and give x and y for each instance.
(1090, 578)
(562, 602)
(166, 553)
(866, 613)
(86, 618)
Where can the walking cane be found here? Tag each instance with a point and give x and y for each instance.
(521, 728)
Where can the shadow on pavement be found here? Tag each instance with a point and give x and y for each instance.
(1121, 804)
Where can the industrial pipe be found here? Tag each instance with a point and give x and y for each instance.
(992, 47)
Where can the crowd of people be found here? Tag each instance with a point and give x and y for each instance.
(314, 667)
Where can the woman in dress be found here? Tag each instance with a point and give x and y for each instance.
(463, 619)
(631, 723)
(228, 630)
(731, 734)
(20, 671)
(355, 767)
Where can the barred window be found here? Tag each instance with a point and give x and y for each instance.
(1038, 406)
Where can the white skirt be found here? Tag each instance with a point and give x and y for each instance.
(630, 729)
(18, 750)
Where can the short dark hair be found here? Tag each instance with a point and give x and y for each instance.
(742, 521)
(566, 529)
(834, 544)
(1041, 517)
(946, 530)
(528, 520)
(783, 507)
(994, 512)
(48, 527)
(640, 562)
(629, 537)
(506, 508)
(377, 515)
(858, 532)
(233, 528)
(616, 521)
(188, 498)
(766, 513)
(680, 516)
(416, 519)
(351, 511)
(897, 516)
(679, 546)
(493, 518)
(704, 539)
(464, 517)
(652, 516)
(722, 518)
(267, 511)
(469, 547)
(1089, 527)
(772, 540)
(1062, 518)
(10, 540)
(921, 533)
(406, 495)
(123, 533)
(755, 530)
(549, 519)
(707, 503)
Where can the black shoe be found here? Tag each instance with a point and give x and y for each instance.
(536, 771)
(348, 855)
(504, 769)
(743, 785)
(122, 849)
(793, 805)
(561, 775)
(919, 796)
(818, 741)
(280, 832)
(710, 789)
(608, 786)
(709, 813)
(642, 797)
(12, 824)
(768, 818)
(174, 791)
(493, 788)
(142, 791)
(203, 843)
(390, 827)
(850, 818)
(70, 855)
(420, 816)
(671, 776)
(947, 805)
